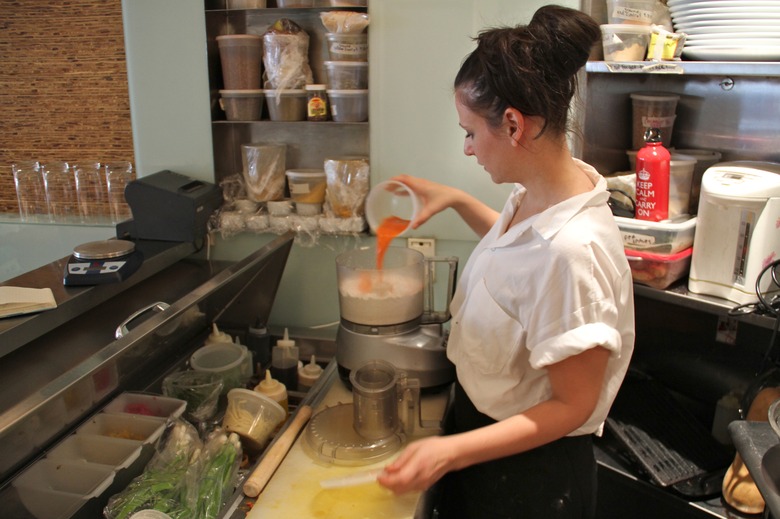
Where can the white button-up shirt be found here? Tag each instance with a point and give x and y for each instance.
(548, 288)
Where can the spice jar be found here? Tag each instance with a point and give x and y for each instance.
(316, 103)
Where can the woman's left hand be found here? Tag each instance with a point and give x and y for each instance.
(419, 466)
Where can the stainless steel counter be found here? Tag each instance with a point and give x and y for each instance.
(65, 364)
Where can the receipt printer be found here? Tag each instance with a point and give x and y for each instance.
(169, 206)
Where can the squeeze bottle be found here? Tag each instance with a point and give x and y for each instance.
(275, 390)
(309, 373)
(653, 164)
(217, 336)
(284, 362)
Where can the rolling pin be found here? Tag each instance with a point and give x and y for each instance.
(273, 458)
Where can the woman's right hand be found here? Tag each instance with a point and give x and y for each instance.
(437, 197)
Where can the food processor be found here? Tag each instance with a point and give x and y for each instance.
(388, 314)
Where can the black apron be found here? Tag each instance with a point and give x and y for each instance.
(554, 481)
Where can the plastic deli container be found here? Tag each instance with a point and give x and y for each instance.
(347, 47)
(347, 75)
(623, 42)
(633, 12)
(242, 105)
(253, 416)
(652, 110)
(659, 270)
(666, 237)
(54, 489)
(704, 160)
(348, 106)
(146, 404)
(307, 186)
(232, 362)
(286, 105)
(240, 55)
(680, 179)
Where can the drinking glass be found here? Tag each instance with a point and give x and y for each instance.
(30, 191)
(60, 191)
(118, 175)
(91, 192)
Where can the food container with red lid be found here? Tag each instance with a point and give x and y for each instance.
(659, 270)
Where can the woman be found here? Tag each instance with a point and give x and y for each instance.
(542, 329)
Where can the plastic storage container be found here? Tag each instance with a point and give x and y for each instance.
(652, 110)
(307, 186)
(146, 404)
(232, 362)
(146, 429)
(623, 42)
(680, 177)
(242, 105)
(667, 237)
(347, 75)
(633, 12)
(54, 489)
(123, 456)
(286, 105)
(241, 55)
(348, 106)
(659, 270)
(704, 160)
(347, 47)
(253, 416)
(102, 450)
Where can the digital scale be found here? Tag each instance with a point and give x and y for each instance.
(104, 261)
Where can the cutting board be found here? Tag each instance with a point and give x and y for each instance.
(294, 490)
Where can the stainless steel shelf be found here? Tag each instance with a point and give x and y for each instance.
(700, 68)
(679, 295)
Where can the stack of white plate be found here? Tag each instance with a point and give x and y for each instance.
(728, 30)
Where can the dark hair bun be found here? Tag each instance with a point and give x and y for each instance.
(567, 35)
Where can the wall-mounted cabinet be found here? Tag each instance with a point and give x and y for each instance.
(308, 143)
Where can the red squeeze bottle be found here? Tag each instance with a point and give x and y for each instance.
(652, 178)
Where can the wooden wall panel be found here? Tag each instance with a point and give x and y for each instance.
(63, 85)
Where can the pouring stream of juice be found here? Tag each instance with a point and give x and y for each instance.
(390, 227)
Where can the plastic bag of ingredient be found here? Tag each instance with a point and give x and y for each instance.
(264, 171)
(347, 186)
(233, 189)
(162, 486)
(200, 389)
(286, 56)
(217, 478)
(344, 22)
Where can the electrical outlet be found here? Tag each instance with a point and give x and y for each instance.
(425, 245)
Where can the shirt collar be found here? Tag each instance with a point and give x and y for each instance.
(550, 221)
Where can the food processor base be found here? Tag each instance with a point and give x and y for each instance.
(420, 352)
